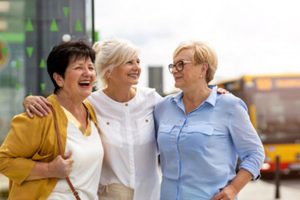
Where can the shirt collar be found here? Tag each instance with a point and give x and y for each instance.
(176, 98)
(212, 98)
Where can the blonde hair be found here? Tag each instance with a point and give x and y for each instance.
(203, 53)
(112, 53)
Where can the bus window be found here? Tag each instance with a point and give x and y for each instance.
(278, 120)
(274, 108)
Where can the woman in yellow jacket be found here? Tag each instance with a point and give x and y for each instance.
(29, 156)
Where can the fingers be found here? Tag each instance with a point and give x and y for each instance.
(41, 106)
(222, 91)
(44, 104)
(225, 194)
(28, 112)
(68, 167)
(60, 167)
(36, 105)
(36, 109)
(218, 196)
(68, 164)
(68, 155)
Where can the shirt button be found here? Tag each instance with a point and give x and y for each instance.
(146, 120)
(107, 123)
(126, 104)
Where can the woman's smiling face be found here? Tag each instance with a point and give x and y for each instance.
(79, 78)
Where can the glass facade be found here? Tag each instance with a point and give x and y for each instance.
(28, 31)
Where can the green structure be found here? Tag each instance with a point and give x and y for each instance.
(28, 31)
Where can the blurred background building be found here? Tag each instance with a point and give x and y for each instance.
(28, 31)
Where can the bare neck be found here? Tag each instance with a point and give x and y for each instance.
(73, 105)
(120, 94)
(192, 99)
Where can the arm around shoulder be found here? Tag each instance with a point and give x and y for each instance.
(36, 105)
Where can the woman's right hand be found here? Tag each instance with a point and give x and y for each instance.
(60, 167)
(36, 105)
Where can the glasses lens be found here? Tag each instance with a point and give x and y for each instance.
(171, 66)
(179, 65)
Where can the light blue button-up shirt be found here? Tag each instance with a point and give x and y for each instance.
(199, 151)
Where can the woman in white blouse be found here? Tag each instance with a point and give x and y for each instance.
(125, 113)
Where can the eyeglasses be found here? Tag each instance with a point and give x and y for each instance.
(178, 66)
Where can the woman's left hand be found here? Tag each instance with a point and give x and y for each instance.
(227, 193)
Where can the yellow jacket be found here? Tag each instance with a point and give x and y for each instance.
(31, 140)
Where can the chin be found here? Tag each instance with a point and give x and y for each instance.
(134, 82)
(178, 85)
(87, 93)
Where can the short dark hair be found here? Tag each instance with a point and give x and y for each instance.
(64, 53)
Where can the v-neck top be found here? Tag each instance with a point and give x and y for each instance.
(87, 154)
(73, 119)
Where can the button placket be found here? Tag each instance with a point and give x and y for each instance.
(129, 138)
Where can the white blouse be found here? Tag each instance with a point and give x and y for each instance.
(129, 143)
(87, 154)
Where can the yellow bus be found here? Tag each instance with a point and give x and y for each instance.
(274, 108)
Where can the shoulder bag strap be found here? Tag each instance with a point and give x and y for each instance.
(61, 153)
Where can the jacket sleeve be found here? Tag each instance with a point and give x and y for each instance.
(17, 150)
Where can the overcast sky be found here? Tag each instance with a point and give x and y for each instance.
(249, 36)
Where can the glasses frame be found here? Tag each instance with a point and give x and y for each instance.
(179, 66)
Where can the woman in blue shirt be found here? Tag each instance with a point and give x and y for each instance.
(201, 133)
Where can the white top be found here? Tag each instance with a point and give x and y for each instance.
(87, 154)
(129, 142)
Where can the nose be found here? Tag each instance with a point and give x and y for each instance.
(88, 71)
(174, 70)
(136, 66)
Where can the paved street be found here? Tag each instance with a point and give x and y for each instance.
(265, 190)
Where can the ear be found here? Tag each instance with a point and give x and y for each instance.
(58, 79)
(107, 74)
(204, 68)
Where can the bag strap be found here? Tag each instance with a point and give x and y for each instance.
(61, 152)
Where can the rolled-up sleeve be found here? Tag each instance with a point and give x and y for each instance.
(246, 140)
